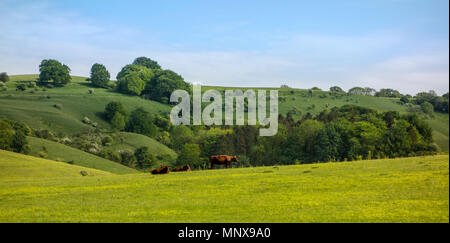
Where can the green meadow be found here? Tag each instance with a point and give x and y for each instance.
(395, 190)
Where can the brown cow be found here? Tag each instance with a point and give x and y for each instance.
(161, 170)
(182, 168)
(222, 159)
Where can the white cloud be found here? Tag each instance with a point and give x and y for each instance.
(410, 74)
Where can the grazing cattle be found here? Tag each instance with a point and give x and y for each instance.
(222, 159)
(161, 170)
(182, 168)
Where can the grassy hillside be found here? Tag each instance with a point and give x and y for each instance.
(132, 141)
(61, 152)
(38, 111)
(397, 190)
(300, 100)
(18, 167)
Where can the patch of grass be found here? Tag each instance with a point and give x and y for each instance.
(338, 192)
(132, 141)
(16, 167)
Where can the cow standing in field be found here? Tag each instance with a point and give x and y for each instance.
(222, 159)
(161, 170)
(186, 168)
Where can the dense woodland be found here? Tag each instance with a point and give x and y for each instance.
(345, 133)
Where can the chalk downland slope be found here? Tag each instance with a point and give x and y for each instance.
(66, 154)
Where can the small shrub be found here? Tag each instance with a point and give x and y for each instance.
(42, 154)
(21, 87)
(112, 85)
(86, 120)
(31, 84)
(107, 141)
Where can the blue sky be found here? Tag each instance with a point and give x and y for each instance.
(401, 44)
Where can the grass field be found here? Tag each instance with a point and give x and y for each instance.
(396, 190)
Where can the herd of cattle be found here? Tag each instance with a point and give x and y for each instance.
(213, 160)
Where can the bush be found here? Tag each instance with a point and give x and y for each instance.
(107, 140)
(42, 154)
(31, 84)
(144, 159)
(112, 85)
(4, 77)
(427, 108)
(127, 158)
(21, 87)
(112, 108)
(86, 120)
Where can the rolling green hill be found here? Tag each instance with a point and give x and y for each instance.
(133, 141)
(37, 109)
(63, 153)
(19, 167)
(299, 100)
(396, 190)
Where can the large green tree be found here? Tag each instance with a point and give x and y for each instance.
(144, 159)
(114, 107)
(140, 122)
(132, 79)
(99, 75)
(190, 154)
(163, 84)
(53, 71)
(147, 62)
(4, 77)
